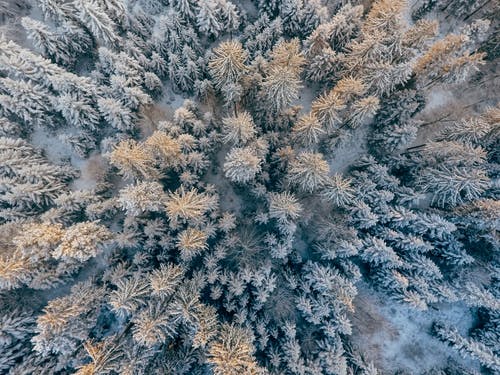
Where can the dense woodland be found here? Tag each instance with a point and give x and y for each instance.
(209, 186)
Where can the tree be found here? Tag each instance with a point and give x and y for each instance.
(208, 18)
(142, 198)
(475, 349)
(188, 205)
(132, 160)
(232, 352)
(288, 54)
(447, 61)
(242, 164)
(284, 206)
(66, 321)
(165, 280)
(281, 87)
(327, 108)
(187, 8)
(308, 171)
(363, 111)
(238, 129)
(453, 185)
(227, 64)
(29, 182)
(82, 241)
(29, 102)
(62, 45)
(97, 21)
(116, 114)
(308, 130)
(377, 253)
(164, 148)
(191, 242)
(338, 190)
(130, 294)
(150, 326)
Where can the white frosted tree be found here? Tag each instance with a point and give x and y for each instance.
(453, 185)
(142, 198)
(242, 164)
(93, 16)
(116, 114)
(25, 100)
(238, 129)
(281, 87)
(308, 171)
(62, 45)
(227, 64)
(208, 18)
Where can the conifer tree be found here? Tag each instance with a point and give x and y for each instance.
(242, 164)
(133, 161)
(308, 171)
(284, 206)
(227, 63)
(93, 16)
(238, 129)
(308, 130)
(141, 198)
(281, 87)
(188, 205)
(82, 241)
(232, 352)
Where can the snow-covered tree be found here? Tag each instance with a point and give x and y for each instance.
(227, 64)
(238, 129)
(94, 17)
(242, 164)
(308, 171)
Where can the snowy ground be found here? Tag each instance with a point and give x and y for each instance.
(396, 337)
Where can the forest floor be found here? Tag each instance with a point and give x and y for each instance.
(397, 338)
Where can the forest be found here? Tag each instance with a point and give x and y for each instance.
(249, 187)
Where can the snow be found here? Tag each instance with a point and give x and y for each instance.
(348, 151)
(55, 151)
(438, 97)
(395, 337)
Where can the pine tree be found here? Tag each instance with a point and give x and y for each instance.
(165, 280)
(62, 45)
(191, 242)
(208, 18)
(338, 190)
(232, 352)
(242, 164)
(475, 349)
(284, 207)
(189, 206)
(308, 171)
(66, 321)
(187, 8)
(141, 198)
(363, 111)
(327, 108)
(447, 61)
(29, 102)
(130, 294)
(308, 130)
(453, 185)
(93, 16)
(164, 148)
(227, 63)
(281, 88)
(239, 129)
(118, 116)
(82, 241)
(133, 161)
